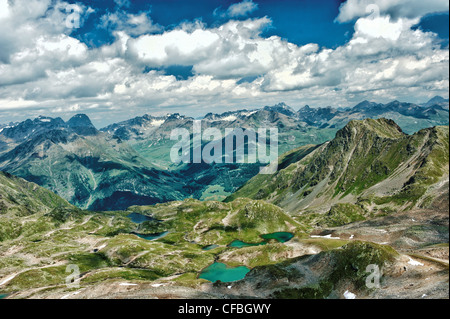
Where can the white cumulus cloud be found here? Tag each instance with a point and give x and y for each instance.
(132, 24)
(238, 10)
(352, 9)
(43, 69)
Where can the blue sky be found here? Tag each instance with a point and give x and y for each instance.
(125, 58)
(291, 19)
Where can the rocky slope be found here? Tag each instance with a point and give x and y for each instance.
(26, 198)
(370, 166)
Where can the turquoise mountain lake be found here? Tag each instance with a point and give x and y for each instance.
(152, 236)
(281, 237)
(209, 247)
(240, 244)
(139, 218)
(220, 271)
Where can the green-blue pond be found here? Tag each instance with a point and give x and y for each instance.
(139, 218)
(240, 244)
(152, 236)
(220, 271)
(282, 237)
(209, 247)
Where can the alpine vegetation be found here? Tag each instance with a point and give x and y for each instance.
(229, 150)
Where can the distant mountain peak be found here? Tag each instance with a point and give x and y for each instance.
(42, 118)
(79, 120)
(81, 124)
(282, 105)
(172, 116)
(382, 127)
(280, 108)
(364, 105)
(435, 100)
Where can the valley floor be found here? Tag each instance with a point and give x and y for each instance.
(126, 266)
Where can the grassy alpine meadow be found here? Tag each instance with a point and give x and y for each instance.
(240, 151)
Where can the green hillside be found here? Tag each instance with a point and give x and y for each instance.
(369, 162)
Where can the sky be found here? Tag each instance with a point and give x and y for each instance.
(116, 59)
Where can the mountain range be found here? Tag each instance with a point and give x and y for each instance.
(128, 162)
(434, 112)
(84, 165)
(372, 196)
